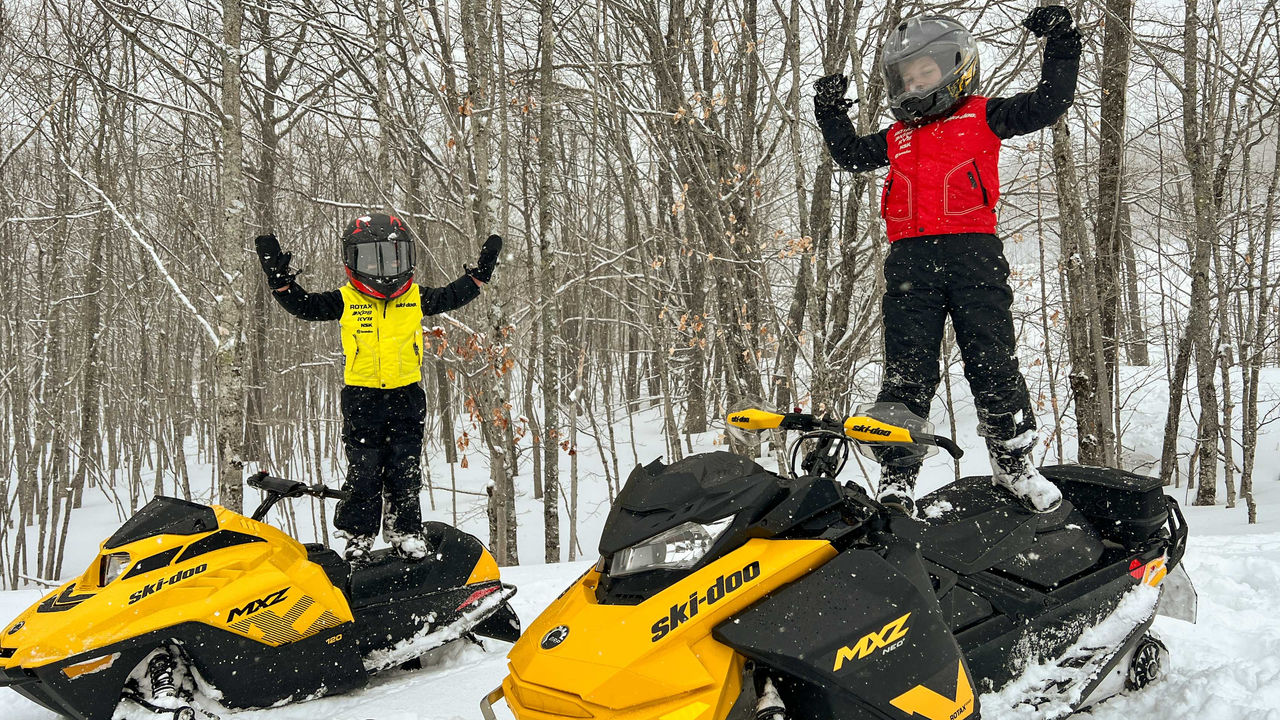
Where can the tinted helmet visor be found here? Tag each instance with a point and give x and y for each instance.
(380, 258)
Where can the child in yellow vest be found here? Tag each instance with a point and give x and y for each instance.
(383, 404)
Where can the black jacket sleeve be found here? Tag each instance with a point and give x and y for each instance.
(1031, 111)
(851, 151)
(450, 297)
(311, 306)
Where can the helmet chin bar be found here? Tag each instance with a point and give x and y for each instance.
(917, 111)
(376, 290)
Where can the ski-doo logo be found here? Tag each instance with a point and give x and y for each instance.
(256, 605)
(163, 583)
(871, 430)
(554, 637)
(724, 585)
(886, 638)
(740, 419)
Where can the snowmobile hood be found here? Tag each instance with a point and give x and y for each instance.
(217, 577)
(660, 655)
(701, 488)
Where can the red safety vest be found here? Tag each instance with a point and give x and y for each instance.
(944, 177)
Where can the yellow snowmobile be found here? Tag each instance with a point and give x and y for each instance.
(189, 607)
(727, 592)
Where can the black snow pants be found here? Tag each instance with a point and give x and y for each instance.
(382, 431)
(966, 277)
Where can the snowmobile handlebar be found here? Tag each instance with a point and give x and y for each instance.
(277, 489)
(859, 428)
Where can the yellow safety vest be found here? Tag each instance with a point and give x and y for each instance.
(382, 339)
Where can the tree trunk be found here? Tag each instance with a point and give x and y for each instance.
(1136, 345)
(1262, 297)
(256, 414)
(1199, 329)
(546, 278)
(1116, 47)
(229, 357)
(1090, 381)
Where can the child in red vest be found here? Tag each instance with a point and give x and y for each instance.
(939, 207)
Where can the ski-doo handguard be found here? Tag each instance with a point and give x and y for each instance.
(828, 456)
(277, 489)
(859, 428)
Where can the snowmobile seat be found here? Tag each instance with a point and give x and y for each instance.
(971, 525)
(338, 570)
(389, 578)
(1126, 508)
(1056, 555)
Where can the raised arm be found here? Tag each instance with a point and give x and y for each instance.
(466, 288)
(285, 288)
(450, 297)
(1035, 110)
(850, 151)
(299, 303)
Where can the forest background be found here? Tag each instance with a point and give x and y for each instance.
(677, 237)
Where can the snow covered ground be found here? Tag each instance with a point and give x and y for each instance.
(1227, 666)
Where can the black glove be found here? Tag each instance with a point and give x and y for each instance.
(274, 262)
(483, 269)
(828, 95)
(1049, 21)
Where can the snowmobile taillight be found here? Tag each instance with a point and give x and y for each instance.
(679, 548)
(477, 596)
(88, 667)
(112, 566)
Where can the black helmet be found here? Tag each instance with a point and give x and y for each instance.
(930, 65)
(379, 255)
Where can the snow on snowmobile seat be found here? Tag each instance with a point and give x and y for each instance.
(972, 526)
(388, 577)
(338, 570)
(1057, 555)
(1125, 507)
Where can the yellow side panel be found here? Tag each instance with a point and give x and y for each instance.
(250, 581)
(646, 661)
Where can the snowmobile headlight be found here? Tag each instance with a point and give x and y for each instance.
(679, 548)
(112, 566)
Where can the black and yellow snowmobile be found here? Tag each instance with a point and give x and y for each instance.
(727, 592)
(189, 607)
